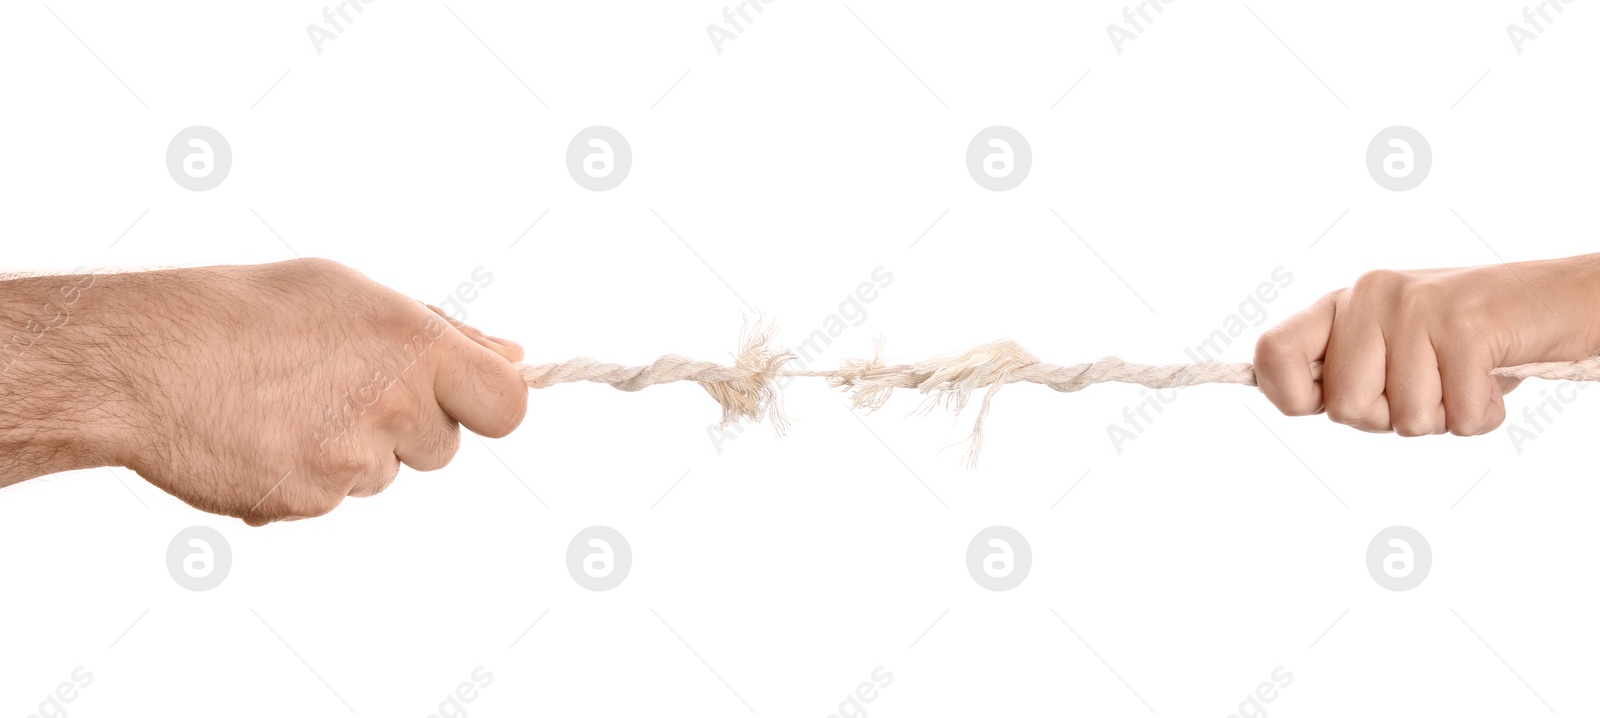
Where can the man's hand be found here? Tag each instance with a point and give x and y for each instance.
(266, 392)
(1411, 351)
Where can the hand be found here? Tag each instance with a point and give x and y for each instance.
(1411, 351)
(266, 392)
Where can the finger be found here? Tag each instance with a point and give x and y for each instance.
(1412, 387)
(506, 348)
(1354, 374)
(1469, 392)
(1496, 415)
(466, 330)
(432, 442)
(454, 322)
(511, 350)
(385, 468)
(479, 388)
(1284, 355)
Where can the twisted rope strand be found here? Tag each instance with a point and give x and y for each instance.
(1075, 377)
(748, 387)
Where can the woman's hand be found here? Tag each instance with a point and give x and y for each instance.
(1411, 351)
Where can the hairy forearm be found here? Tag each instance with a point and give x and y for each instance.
(56, 405)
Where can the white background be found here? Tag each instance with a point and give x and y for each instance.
(1171, 577)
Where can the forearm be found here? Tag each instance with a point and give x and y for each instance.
(1567, 296)
(56, 409)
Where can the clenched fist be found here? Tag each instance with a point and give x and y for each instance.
(266, 392)
(1411, 351)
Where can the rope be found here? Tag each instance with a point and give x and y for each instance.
(748, 387)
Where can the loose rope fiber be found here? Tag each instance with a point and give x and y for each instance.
(748, 388)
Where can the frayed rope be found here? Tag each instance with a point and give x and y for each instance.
(748, 388)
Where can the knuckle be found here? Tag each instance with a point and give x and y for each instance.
(1342, 410)
(320, 263)
(438, 449)
(339, 462)
(322, 505)
(1377, 282)
(374, 484)
(336, 269)
(1414, 417)
(1273, 348)
(336, 476)
(322, 267)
